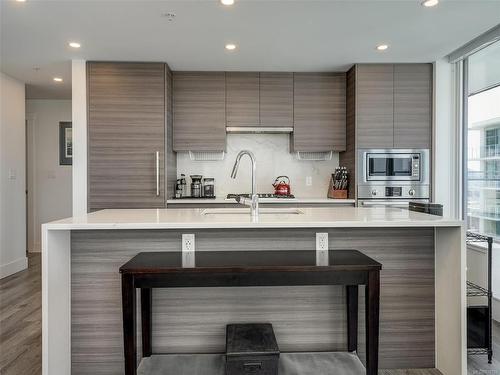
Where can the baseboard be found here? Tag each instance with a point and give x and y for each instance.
(13, 267)
(35, 248)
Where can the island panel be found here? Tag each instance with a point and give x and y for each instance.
(187, 320)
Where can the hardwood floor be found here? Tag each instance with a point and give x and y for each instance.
(21, 321)
(478, 365)
(425, 371)
(21, 332)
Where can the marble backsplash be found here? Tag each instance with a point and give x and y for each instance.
(273, 159)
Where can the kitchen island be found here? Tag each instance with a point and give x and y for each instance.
(422, 305)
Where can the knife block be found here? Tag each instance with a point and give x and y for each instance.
(336, 194)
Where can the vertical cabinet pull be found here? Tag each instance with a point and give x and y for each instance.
(157, 173)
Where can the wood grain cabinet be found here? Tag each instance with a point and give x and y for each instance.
(375, 105)
(126, 135)
(242, 99)
(259, 99)
(276, 99)
(199, 107)
(393, 105)
(412, 105)
(388, 106)
(319, 112)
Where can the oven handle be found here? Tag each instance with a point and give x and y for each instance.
(385, 203)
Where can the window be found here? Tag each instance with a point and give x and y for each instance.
(483, 138)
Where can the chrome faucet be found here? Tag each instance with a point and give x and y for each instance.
(253, 202)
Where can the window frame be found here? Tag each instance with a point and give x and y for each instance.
(462, 76)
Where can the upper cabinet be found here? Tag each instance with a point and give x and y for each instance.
(242, 99)
(126, 135)
(375, 106)
(393, 105)
(199, 107)
(412, 105)
(276, 99)
(312, 104)
(319, 112)
(259, 99)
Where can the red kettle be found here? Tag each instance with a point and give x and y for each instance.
(282, 186)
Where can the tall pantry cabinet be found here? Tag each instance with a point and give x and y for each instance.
(127, 122)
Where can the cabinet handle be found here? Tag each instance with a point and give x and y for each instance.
(157, 173)
(252, 367)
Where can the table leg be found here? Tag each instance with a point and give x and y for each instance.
(129, 324)
(372, 301)
(146, 321)
(352, 317)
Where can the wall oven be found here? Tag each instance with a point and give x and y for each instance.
(393, 177)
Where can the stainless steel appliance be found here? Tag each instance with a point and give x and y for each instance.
(393, 177)
(196, 191)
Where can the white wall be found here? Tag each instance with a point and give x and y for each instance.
(79, 115)
(273, 159)
(49, 183)
(12, 177)
(446, 140)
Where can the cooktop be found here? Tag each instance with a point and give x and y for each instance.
(262, 196)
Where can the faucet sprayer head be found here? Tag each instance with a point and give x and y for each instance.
(235, 168)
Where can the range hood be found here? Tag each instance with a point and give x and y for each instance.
(259, 129)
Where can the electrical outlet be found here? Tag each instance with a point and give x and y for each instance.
(188, 259)
(322, 249)
(188, 242)
(321, 241)
(309, 181)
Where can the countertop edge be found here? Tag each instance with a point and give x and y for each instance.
(146, 226)
(264, 201)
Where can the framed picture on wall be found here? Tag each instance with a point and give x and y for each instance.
(65, 143)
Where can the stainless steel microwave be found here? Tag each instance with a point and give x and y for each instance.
(398, 165)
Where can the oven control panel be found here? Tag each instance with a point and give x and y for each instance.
(394, 192)
(415, 167)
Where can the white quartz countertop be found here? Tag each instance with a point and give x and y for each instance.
(220, 200)
(192, 218)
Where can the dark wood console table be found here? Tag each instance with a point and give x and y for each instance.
(250, 268)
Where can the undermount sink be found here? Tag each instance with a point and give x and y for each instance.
(246, 211)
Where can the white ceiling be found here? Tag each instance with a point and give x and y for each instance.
(279, 35)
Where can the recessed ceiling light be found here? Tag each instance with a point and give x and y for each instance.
(227, 2)
(430, 3)
(58, 79)
(230, 46)
(74, 45)
(20, 1)
(382, 47)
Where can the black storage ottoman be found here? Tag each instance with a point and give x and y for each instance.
(251, 349)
